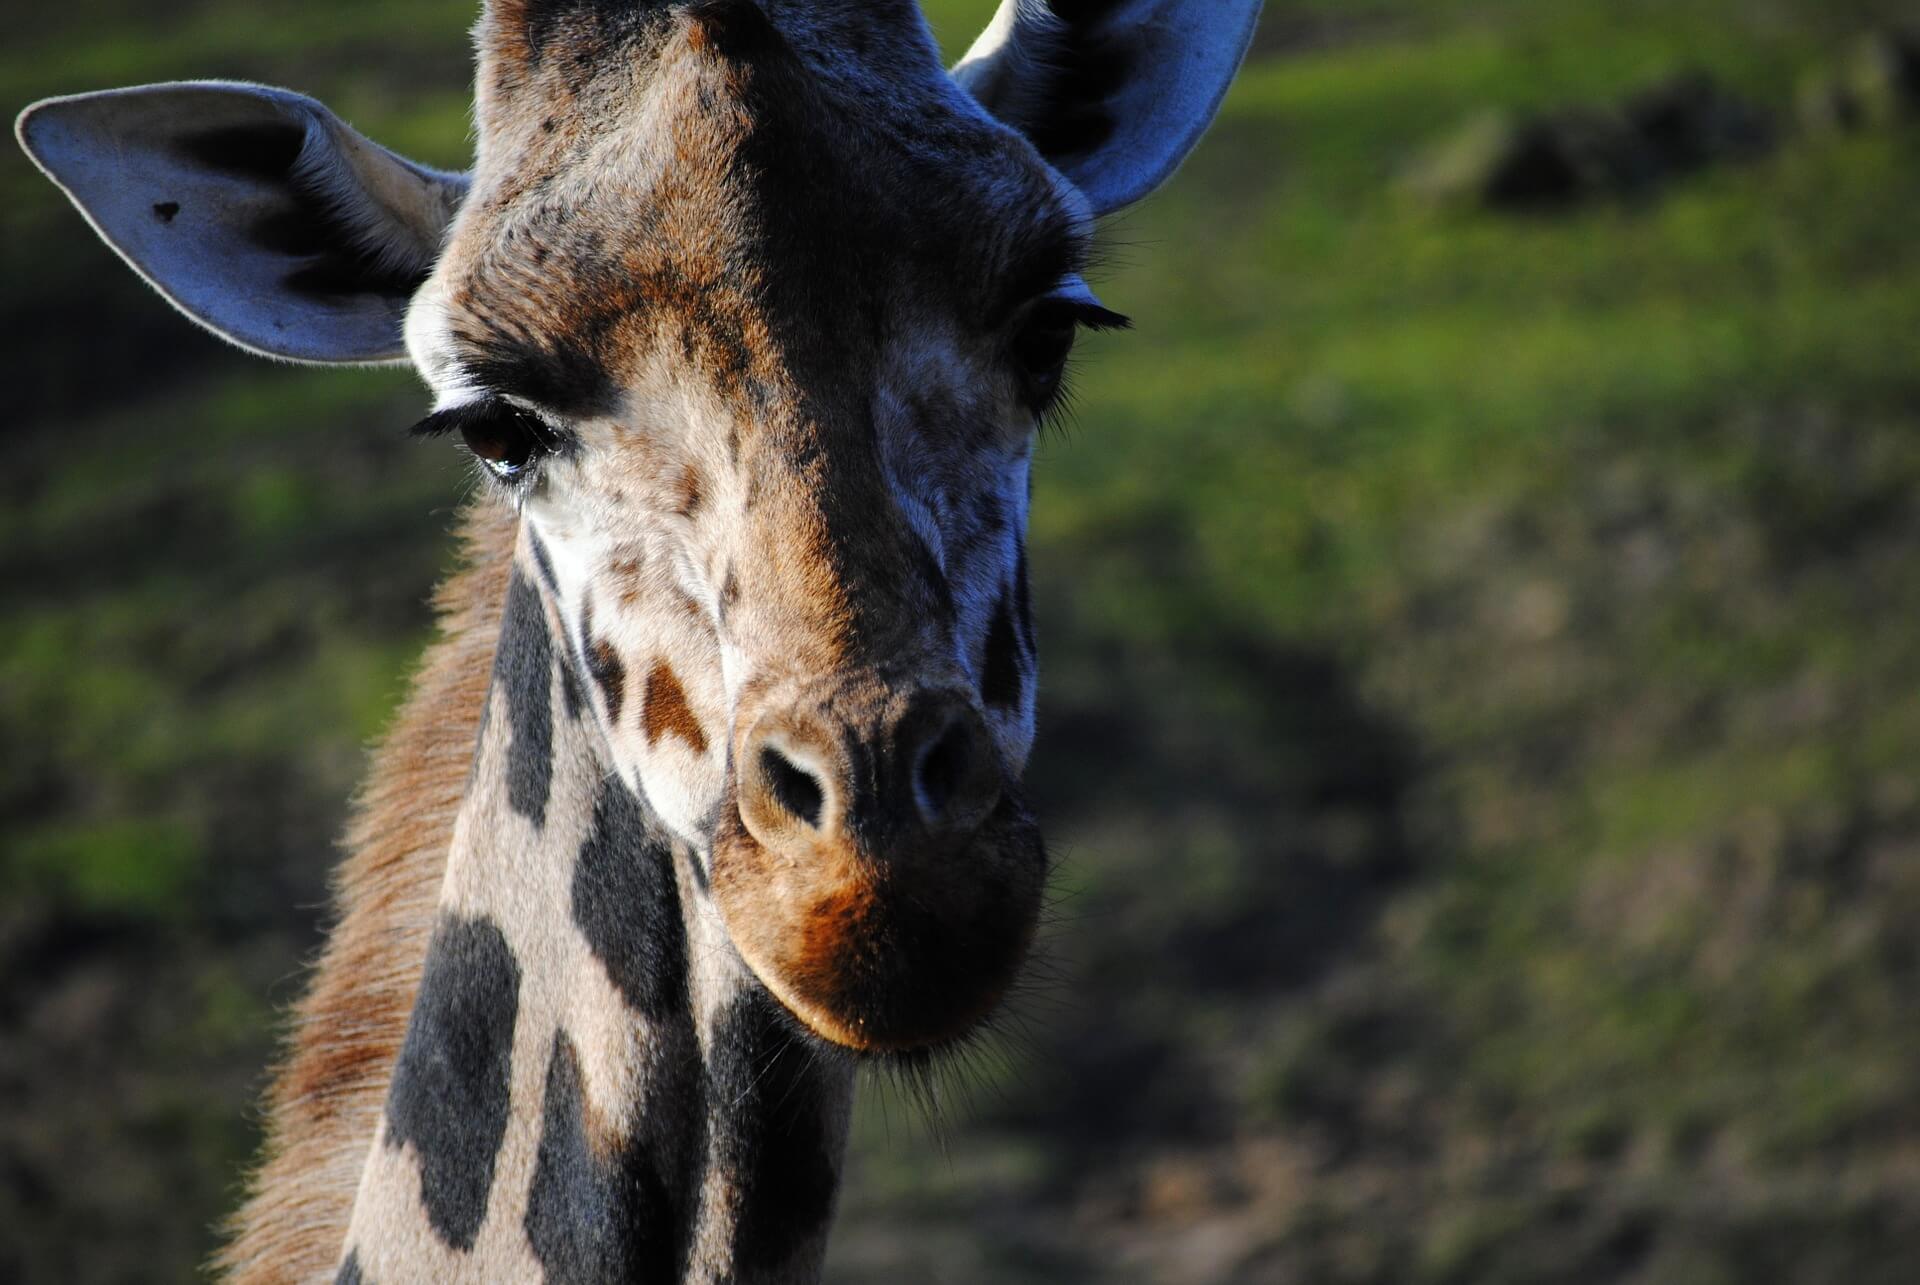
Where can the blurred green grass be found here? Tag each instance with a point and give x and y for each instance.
(1478, 718)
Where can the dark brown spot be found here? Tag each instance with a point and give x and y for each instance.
(523, 666)
(544, 563)
(626, 905)
(767, 1094)
(626, 575)
(1000, 680)
(450, 1084)
(165, 210)
(570, 694)
(933, 575)
(605, 1209)
(603, 662)
(666, 712)
(688, 492)
(1023, 599)
(988, 515)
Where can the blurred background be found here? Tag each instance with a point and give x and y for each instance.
(1481, 705)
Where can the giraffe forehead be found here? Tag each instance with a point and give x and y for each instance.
(756, 211)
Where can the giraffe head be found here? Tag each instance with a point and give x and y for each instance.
(753, 310)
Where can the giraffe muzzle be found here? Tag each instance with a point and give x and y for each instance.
(878, 870)
(932, 781)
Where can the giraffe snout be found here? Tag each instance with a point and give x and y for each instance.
(879, 871)
(920, 781)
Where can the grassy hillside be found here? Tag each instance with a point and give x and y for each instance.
(1479, 719)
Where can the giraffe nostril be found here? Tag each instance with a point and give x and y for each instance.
(792, 786)
(943, 767)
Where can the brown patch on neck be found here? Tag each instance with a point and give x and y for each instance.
(665, 711)
(327, 1096)
(603, 662)
(689, 608)
(688, 492)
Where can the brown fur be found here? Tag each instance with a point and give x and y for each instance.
(565, 284)
(780, 229)
(666, 712)
(689, 492)
(327, 1097)
(882, 951)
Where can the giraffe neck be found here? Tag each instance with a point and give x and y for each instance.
(592, 1085)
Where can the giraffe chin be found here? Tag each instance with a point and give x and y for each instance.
(887, 953)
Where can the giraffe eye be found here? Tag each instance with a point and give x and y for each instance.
(1040, 349)
(505, 442)
(506, 438)
(1044, 341)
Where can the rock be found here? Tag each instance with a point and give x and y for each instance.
(1877, 84)
(1504, 163)
(1575, 155)
(1690, 122)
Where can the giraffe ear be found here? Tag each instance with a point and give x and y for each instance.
(1114, 93)
(255, 211)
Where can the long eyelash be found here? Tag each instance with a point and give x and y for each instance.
(1093, 317)
(476, 414)
(455, 418)
(1061, 412)
(438, 424)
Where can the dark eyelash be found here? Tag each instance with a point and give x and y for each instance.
(455, 419)
(1091, 316)
(508, 440)
(1057, 414)
(1060, 413)
(1053, 416)
(482, 411)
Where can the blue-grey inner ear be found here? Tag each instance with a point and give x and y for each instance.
(253, 210)
(1114, 93)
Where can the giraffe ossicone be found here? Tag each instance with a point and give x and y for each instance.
(747, 313)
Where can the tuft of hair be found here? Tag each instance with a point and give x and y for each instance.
(1020, 83)
(973, 1068)
(327, 1096)
(384, 249)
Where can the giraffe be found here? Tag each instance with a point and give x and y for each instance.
(708, 792)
